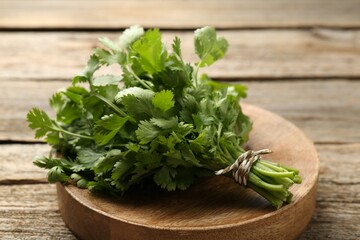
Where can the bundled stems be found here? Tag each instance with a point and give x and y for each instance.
(271, 180)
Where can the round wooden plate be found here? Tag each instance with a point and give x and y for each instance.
(215, 208)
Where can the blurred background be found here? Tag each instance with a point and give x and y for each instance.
(299, 59)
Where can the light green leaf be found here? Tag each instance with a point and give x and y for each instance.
(129, 36)
(238, 88)
(135, 91)
(109, 44)
(107, 127)
(163, 100)
(208, 46)
(41, 123)
(93, 64)
(151, 51)
(108, 79)
(165, 123)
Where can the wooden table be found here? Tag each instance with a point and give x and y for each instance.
(299, 59)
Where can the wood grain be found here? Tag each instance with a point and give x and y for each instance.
(16, 164)
(177, 14)
(213, 208)
(337, 182)
(328, 111)
(270, 54)
(336, 217)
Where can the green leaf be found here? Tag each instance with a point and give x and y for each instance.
(93, 64)
(163, 100)
(164, 178)
(75, 94)
(106, 80)
(107, 127)
(208, 46)
(56, 102)
(41, 123)
(165, 123)
(238, 88)
(151, 53)
(107, 58)
(136, 92)
(129, 36)
(140, 108)
(147, 132)
(88, 157)
(109, 44)
(176, 46)
(80, 181)
(107, 162)
(56, 174)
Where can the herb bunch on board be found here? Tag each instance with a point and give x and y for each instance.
(166, 123)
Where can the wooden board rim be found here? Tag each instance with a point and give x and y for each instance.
(266, 218)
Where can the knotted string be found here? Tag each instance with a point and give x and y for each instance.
(242, 166)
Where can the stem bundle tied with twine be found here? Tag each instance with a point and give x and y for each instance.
(271, 180)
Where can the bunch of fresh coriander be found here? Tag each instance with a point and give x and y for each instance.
(165, 124)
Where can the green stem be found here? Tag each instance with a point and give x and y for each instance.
(60, 129)
(116, 108)
(274, 174)
(260, 183)
(142, 82)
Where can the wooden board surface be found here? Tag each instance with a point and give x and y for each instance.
(212, 208)
(170, 14)
(270, 54)
(328, 111)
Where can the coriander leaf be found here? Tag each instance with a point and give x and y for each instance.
(107, 162)
(188, 155)
(56, 174)
(93, 64)
(109, 44)
(108, 79)
(136, 92)
(88, 157)
(41, 123)
(208, 46)
(176, 46)
(165, 123)
(184, 177)
(163, 100)
(164, 178)
(75, 94)
(147, 132)
(129, 36)
(107, 58)
(151, 53)
(111, 122)
(80, 181)
(56, 101)
(107, 127)
(140, 108)
(53, 138)
(238, 88)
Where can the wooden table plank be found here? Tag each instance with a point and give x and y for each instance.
(327, 111)
(16, 164)
(339, 179)
(31, 210)
(270, 54)
(178, 14)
